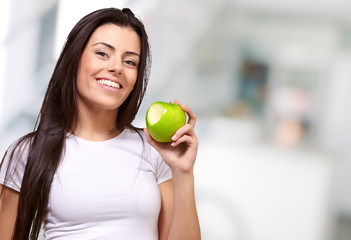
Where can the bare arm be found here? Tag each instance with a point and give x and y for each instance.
(165, 217)
(8, 212)
(178, 217)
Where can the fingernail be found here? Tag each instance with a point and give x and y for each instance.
(174, 137)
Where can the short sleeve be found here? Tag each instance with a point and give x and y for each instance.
(160, 169)
(12, 170)
(163, 171)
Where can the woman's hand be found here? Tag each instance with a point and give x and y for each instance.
(179, 155)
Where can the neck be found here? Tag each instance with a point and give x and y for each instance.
(96, 125)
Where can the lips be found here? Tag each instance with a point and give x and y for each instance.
(109, 83)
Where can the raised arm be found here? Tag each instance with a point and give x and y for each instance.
(178, 216)
(8, 211)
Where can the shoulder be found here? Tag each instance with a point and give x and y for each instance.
(133, 134)
(13, 163)
(17, 153)
(19, 148)
(138, 137)
(151, 156)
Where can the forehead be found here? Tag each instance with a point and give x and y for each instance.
(123, 38)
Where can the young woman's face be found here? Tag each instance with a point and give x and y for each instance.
(108, 68)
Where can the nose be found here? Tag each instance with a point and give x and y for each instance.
(115, 66)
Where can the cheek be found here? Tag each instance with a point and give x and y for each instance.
(86, 70)
(81, 76)
(132, 78)
(83, 80)
(87, 65)
(131, 83)
(81, 72)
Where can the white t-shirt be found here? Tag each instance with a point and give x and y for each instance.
(104, 190)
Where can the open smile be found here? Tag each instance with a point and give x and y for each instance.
(110, 84)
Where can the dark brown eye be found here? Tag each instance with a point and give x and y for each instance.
(130, 62)
(102, 54)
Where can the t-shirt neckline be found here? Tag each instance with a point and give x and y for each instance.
(97, 142)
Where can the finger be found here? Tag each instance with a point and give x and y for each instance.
(190, 141)
(176, 101)
(186, 129)
(191, 114)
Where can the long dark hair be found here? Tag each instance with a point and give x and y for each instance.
(58, 115)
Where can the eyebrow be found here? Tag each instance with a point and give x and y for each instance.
(112, 48)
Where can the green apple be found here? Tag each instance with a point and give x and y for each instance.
(163, 120)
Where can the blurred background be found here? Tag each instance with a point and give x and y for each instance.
(269, 81)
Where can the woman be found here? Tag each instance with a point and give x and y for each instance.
(85, 172)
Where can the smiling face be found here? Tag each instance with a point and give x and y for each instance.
(108, 68)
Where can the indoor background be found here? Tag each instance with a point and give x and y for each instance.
(269, 81)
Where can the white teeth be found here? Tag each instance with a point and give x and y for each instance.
(109, 83)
